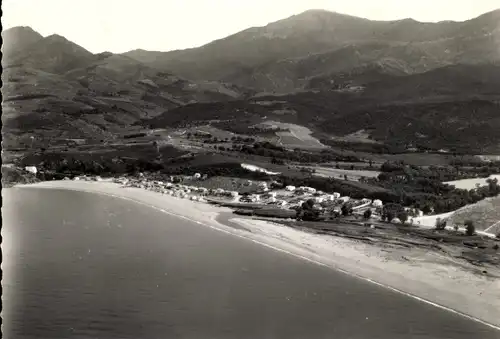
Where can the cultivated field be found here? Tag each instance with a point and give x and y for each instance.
(340, 173)
(297, 137)
(359, 136)
(469, 184)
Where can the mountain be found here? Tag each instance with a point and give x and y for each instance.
(56, 90)
(454, 107)
(433, 85)
(17, 39)
(319, 41)
(53, 54)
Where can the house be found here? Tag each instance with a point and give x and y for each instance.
(31, 169)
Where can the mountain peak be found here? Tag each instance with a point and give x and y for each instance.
(19, 29)
(18, 38)
(56, 38)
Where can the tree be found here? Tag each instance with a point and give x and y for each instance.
(389, 216)
(426, 209)
(470, 229)
(309, 203)
(367, 215)
(403, 216)
(345, 210)
(440, 224)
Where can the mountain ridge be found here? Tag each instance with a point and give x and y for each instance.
(316, 32)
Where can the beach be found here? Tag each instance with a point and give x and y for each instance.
(428, 277)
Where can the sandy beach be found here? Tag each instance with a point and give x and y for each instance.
(423, 275)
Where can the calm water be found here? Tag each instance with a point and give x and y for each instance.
(78, 265)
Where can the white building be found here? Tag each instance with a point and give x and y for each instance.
(31, 169)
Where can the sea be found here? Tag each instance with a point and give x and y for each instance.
(84, 265)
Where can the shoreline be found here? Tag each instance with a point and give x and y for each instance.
(439, 284)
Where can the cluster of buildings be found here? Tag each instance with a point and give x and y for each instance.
(289, 197)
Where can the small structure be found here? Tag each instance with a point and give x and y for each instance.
(255, 198)
(219, 191)
(318, 200)
(31, 169)
(377, 203)
(263, 185)
(290, 188)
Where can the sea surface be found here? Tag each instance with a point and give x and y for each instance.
(82, 265)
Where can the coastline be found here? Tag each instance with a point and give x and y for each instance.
(409, 271)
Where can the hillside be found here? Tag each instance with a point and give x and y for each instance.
(17, 39)
(400, 83)
(53, 54)
(57, 91)
(316, 42)
(453, 108)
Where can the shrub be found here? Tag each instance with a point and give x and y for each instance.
(367, 214)
(388, 216)
(403, 216)
(346, 209)
(440, 224)
(470, 229)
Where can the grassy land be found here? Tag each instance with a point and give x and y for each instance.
(484, 214)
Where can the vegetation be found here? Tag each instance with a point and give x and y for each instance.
(470, 229)
(423, 188)
(11, 176)
(403, 216)
(307, 212)
(440, 224)
(267, 149)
